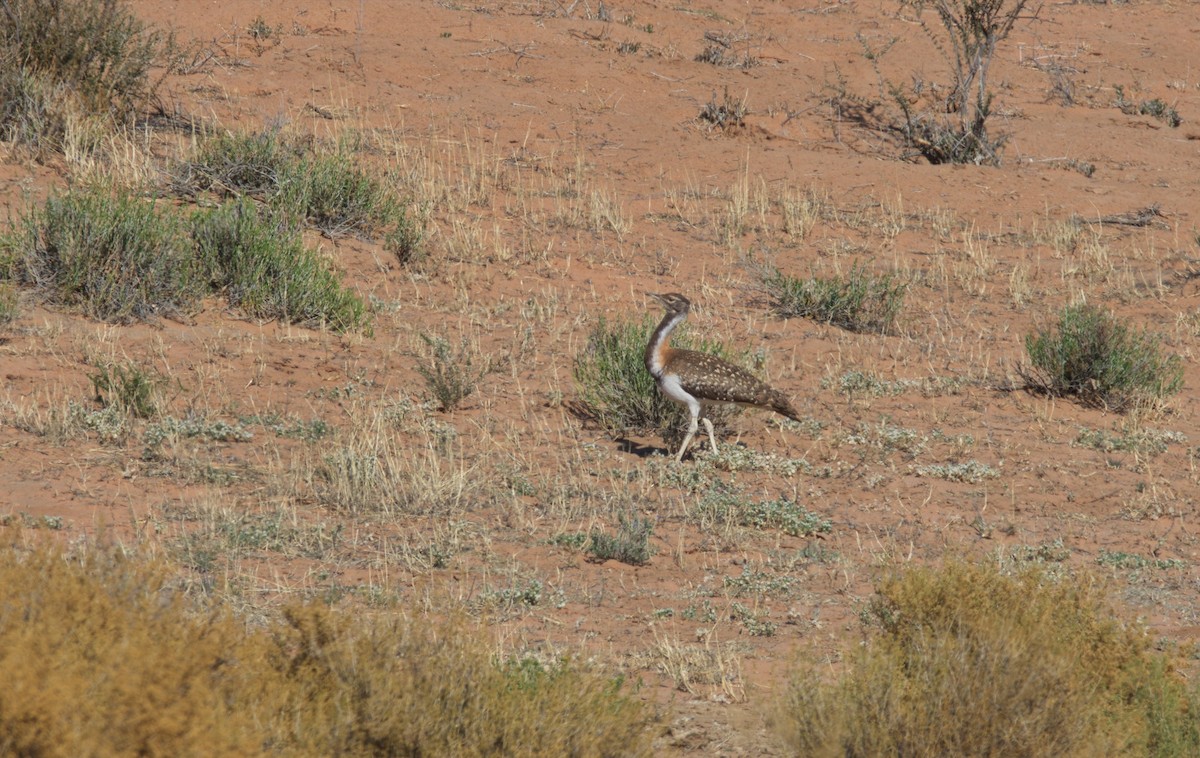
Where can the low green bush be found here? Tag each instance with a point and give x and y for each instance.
(450, 375)
(338, 197)
(630, 544)
(258, 260)
(234, 164)
(115, 256)
(1103, 361)
(615, 389)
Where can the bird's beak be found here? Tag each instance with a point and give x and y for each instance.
(657, 298)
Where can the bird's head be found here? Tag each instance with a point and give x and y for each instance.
(673, 302)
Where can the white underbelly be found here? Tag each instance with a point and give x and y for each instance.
(671, 388)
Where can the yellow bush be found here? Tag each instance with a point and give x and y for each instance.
(965, 661)
(395, 687)
(99, 656)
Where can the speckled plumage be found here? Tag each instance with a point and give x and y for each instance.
(712, 380)
(699, 380)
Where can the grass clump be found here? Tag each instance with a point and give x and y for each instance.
(128, 388)
(338, 197)
(963, 660)
(103, 656)
(631, 543)
(115, 256)
(617, 392)
(1102, 361)
(859, 301)
(451, 377)
(10, 304)
(257, 259)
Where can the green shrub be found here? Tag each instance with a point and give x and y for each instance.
(860, 301)
(1095, 357)
(615, 389)
(259, 261)
(406, 235)
(327, 190)
(115, 256)
(631, 543)
(965, 661)
(102, 655)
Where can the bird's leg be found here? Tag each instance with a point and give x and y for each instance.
(688, 439)
(711, 437)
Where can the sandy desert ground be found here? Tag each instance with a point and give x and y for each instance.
(558, 154)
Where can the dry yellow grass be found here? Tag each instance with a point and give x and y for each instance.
(102, 655)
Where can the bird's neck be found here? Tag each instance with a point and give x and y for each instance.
(656, 349)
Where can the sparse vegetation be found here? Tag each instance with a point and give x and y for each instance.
(724, 504)
(415, 466)
(1133, 562)
(966, 661)
(1154, 107)
(1101, 360)
(949, 124)
(860, 301)
(1133, 440)
(727, 113)
(971, 472)
(128, 388)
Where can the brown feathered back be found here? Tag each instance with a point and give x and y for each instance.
(711, 379)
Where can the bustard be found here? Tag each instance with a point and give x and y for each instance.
(698, 380)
